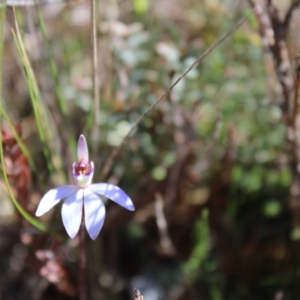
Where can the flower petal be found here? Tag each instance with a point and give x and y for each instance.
(82, 149)
(52, 197)
(94, 213)
(114, 193)
(71, 213)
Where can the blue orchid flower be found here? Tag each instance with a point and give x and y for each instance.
(84, 198)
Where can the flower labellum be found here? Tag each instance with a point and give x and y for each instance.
(83, 197)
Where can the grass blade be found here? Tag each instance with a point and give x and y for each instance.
(54, 162)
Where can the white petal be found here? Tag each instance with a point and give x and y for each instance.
(82, 149)
(53, 196)
(114, 193)
(94, 213)
(71, 213)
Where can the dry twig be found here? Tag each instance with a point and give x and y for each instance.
(162, 225)
(294, 5)
(273, 25)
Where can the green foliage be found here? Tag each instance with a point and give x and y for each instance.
(199, 257)
(225, 107)
(140, 6)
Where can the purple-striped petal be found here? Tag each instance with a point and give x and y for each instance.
(71, 213)
(82, 149)
(114, 193)
(52, 197)
(94, 213)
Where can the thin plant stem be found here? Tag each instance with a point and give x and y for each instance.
(2, 30)
(82, 260)
(96, 99)
(296, 91)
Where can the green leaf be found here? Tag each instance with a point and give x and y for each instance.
(159, 173)
(140, 6)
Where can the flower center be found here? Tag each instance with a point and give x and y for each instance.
(82, 168)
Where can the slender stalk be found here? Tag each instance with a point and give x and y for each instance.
(82, 260)
(96, 106)
(296, 92)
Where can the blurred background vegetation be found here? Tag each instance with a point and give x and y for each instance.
(212, 169)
